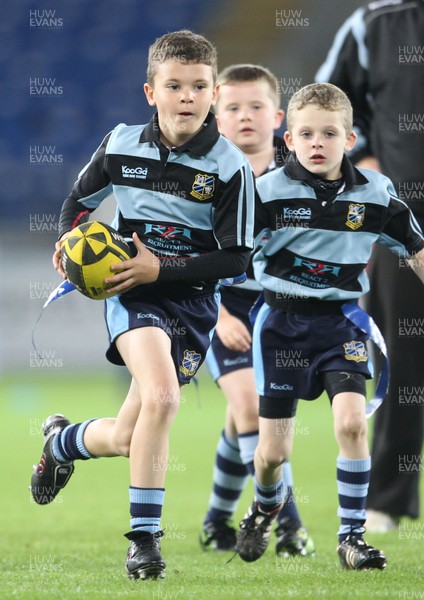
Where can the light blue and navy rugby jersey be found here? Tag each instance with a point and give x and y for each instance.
(187, 201)
(317, 246)
(251, 287)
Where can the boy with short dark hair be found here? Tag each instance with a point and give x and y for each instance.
(319, 218)
(248, 114)
(185, 201)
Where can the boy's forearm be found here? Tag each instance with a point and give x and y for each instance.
(207, 267)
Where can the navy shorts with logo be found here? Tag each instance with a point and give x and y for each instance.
(220, 359)
(291, 351)
(187, 314)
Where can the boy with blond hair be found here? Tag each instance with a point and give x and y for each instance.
(188, 214)
(248, 114)
(318, 218)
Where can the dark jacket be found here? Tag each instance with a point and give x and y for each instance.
(377, 58)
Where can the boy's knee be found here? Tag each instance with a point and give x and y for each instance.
(352, 426)
(245, 405)
(163, 406)
(271, 457)
(122, 444)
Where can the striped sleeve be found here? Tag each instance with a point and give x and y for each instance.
(401, 231)
(234, 211)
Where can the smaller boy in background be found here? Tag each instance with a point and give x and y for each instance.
(317, 220)
(248, 114)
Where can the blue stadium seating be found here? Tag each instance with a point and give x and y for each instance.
(71, 71)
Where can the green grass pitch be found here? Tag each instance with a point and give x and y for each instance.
(75, 549)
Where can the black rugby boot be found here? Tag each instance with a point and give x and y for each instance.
(50, 475)
(144, 560)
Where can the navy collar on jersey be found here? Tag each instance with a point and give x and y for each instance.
(199, 145)
(351, 175)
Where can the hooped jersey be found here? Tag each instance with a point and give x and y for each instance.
(251, 287)
(192, 199)
(317, 249)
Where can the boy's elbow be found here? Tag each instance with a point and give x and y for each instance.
(241, 262)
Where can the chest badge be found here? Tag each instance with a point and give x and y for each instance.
(355, 216)
(203, 186)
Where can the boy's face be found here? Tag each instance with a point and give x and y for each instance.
(183, 94)
(247, 116)
(320, 140)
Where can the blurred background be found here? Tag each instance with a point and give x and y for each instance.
(72, 70)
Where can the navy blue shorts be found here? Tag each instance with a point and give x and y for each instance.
(220, 359)
(186, 314)
(291, 351)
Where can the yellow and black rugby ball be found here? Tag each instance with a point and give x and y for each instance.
(87, 255)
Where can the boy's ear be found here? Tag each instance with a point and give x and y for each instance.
(149, 92)
(289, 140)
(215, 95)
(351, 141)
(278, 118)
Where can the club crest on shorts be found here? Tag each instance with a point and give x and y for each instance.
(355, 351)
(355, 216)
(190, 363)
(203, 186)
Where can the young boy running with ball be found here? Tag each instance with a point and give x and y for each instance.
(187, 209)
(248, 113)
(318, 218)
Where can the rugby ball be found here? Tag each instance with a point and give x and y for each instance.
(87, 255)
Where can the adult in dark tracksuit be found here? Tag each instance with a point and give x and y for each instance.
(377, 59)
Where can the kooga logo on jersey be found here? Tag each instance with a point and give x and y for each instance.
(285, 387)
(297, 213)
(135, 173)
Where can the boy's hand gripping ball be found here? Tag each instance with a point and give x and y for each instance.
(87, 255)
